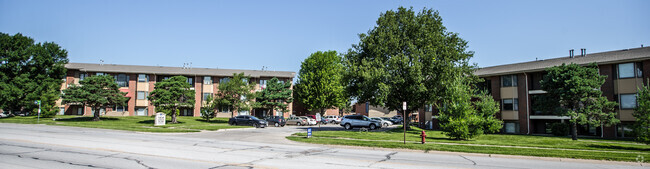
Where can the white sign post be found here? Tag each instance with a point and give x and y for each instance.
(318, 119)
(404, 123)
(160, 119)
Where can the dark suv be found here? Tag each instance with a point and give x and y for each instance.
(246, 120)
(276, 121)
(352, 121)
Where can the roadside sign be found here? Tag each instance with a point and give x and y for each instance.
(403, 105)
(309, 132)
(318, 118)
(160, 119)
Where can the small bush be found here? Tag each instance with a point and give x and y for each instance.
(560, 129)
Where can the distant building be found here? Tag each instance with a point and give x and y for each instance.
(514, 85)
(139, 81)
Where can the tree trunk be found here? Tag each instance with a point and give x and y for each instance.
(174, 115)
(322, 112)
(96, 114)
(574, 131)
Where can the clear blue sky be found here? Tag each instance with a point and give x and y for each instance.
(281, 34)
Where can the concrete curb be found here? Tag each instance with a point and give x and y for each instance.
(486, 155)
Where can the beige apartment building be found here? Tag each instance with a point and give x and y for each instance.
(139, 81)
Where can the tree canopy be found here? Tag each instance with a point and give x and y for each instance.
(172, 94)
(320, 81)
(406, 57)
(462, 118)
(642, 116)
(573, 90)
(236, 93)
(275, 96)
(28, 71)
(97, 92)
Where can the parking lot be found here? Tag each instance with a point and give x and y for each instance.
(269, 134)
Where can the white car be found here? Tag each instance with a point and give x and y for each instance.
(310, 121)
(3, 115)
(384, 123)
(333, 119)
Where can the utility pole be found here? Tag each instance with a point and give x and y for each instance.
(403, 119)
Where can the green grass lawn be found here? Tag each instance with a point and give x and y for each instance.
(544, 146)
(130, 123)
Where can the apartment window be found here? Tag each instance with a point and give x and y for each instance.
(624, 129)
(224, 109)
(190, 80)
(245, 80)
(61, 110)
(629, 70)
(627, 101)
(121, 108)
(207, 80)
(141, 111)
(99, 74)
(206, 95)
(510, 104)
(263, 84)
(224, 80)
(82, 76)
(428, 108)
(142, 95)
(122, 80)
(511, 127)
(143, 78)
(639, 70)
(509, 81)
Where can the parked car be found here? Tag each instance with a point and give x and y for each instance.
(333, 119)
(396, 120)
(384, 123)
(310, 121)
(277, 121)
(352, 121)
(3, 115)
(323, 121)
(299, 121)
(247, 120)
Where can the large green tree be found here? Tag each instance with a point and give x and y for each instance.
(171, 95)
(237, 93)
(28, 71)
(97, 92)
(462, 118)
(407, 57)
(275, 96)
(573, 90)
(642, 115)
(320, 82)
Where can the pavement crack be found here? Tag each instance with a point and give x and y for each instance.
(468, 159)
(387, 157)
(137, 161)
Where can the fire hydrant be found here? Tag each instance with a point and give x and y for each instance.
(424, 137)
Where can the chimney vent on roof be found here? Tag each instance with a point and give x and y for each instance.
(583, 52)
(571, 53)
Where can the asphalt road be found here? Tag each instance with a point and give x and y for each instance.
(41, 146)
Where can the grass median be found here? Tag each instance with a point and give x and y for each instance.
(129, 123)
(543, 146)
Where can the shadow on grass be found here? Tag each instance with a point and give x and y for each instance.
(618, 147)
(213, 121)
(79, 119)
(153, 122)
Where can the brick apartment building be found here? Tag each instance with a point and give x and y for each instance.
(515, 85)
(139, 81)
